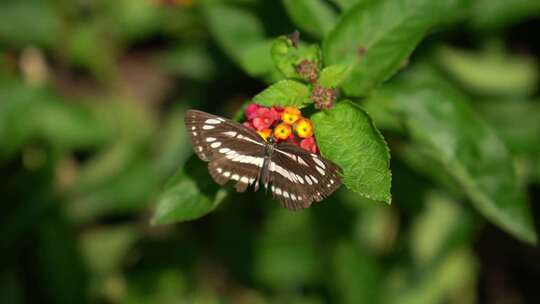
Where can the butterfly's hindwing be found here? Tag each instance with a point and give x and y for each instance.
(236, 153)
(242, 167)
(300, 177)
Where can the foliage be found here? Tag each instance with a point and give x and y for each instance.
(432, 112)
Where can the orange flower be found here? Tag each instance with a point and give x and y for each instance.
(265, 133)
(290, 115)
(304, 128)
(282, 131)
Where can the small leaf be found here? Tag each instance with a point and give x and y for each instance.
(284, 93)
(439, 118)
(333, 75)
(377, 37)
(315, 17)
(286, 56)
(255, 59)
(347, 136)
(191, 194)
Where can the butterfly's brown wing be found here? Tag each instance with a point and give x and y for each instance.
(234, 151)
(299, 177)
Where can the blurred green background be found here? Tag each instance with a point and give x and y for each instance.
(92, 96)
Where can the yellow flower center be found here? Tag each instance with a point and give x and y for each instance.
(282, 131)
(290, 115)
(303, 128)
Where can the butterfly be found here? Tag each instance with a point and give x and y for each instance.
(295, 177)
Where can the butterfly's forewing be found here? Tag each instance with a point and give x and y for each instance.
(234, 151)
(210, 133)
(299, 177)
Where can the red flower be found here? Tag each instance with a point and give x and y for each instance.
(264, 118)
(309, 144)
(276, 112)
(251, 111)
(249, 125)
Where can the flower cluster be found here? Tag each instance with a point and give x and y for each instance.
(283, 124)
(308, 71)
(323, 97)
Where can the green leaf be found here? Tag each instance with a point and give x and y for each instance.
(159, 282)
(281, 261)
(192, 61)
(104, 249)
(27, 114)
(284, 93)
(443, 225)
(88, 48)
(132, 19)
(286, 56)
(315, 17)
(450, 279)
(346, 4)
(495, 14)
(333, 75)
(377, 37)
(125, 191)
(357, 275)
(440, 119)
(517, 122)
(170, 144)
(29, 23)
(256, 60)
(59, 264)
(191, 194)
(419, 158)
(347, 136)
(241, 35)
(490, 72)
(376, 224)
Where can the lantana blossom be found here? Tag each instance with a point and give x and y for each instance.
(290, 115)
(282, 131)
(265, 133)
(282, 124)
(309, 144)
(303, 128)
(264, 118)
